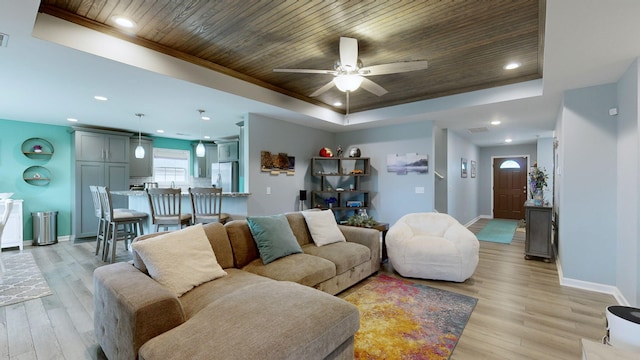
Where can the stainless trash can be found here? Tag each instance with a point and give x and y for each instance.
(45, 227)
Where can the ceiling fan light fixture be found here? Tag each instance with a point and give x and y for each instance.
(348, 82)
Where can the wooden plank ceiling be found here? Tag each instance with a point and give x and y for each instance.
(467, 43)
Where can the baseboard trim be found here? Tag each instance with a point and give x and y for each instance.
(60, 238)
(591, 286)
(478, 218)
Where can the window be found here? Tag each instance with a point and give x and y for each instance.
(171, 166)
(509, 164)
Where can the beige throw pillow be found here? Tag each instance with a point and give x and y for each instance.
(180, 260)
(323, 227)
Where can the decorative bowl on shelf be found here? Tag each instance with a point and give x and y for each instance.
(6, 195)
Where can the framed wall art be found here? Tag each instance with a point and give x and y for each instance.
(411, 162)
(463, 167)
(277, 163)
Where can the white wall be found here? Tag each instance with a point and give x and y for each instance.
(544, 157)
(628, 197)
(276, 136)
(394, 195)
(588, 211)
(462, 201)
(441, 194)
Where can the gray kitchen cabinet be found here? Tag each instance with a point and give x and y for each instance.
(141, 167)
(109, 166)
(202, 165)
(228, 151)
(107, 147)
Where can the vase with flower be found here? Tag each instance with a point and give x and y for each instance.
(330, 201)
(537, 182)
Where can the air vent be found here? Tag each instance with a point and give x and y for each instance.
(478, 130)
(4, 40)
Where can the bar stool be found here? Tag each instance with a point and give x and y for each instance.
(128, 221)
(166, 208)
(206, 205)
(97, 207)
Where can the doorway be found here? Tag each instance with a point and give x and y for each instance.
(509, 187)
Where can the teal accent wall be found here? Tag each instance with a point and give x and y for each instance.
(53, 197)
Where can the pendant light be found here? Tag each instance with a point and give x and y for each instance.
(200, 151)
(139, 152)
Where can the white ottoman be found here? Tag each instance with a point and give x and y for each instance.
(432, 246)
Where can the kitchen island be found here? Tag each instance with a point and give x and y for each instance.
(233, 203)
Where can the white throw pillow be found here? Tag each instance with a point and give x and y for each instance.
(180, 260)
(323, 227)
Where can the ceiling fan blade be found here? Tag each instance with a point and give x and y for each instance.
(307, 71)
(372, 87)
(348, 53)
(393, 68)
(324, 88)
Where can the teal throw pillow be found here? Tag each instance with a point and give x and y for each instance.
(274, 237)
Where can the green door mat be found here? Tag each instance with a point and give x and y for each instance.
(498, 230)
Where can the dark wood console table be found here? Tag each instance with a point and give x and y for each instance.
(539, 228)
(383, 228)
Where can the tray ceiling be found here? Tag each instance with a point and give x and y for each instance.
(466, 43)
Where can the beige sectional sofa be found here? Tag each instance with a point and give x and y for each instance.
(256, 311)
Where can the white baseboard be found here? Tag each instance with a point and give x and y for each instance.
(478, 218)
(60, 238)
(591, 286)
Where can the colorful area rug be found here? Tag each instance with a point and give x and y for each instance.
(21, 279)
(498, 230)
(400, 319)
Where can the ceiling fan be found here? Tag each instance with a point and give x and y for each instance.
(349, 72)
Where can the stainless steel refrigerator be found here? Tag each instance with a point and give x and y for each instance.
(225, 175)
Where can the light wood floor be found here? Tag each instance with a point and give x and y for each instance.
(522, 312)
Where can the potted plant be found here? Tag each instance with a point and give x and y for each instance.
(537, 183)
(361, 221)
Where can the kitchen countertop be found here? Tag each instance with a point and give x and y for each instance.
(143, 193)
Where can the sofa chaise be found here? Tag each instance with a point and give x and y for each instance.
(253, 311)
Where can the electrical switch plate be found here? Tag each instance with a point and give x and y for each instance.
(419, 190)
(268, 190)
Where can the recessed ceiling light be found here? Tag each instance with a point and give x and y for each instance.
(337, 103)
(72, 119)
(101, 98)
(160, 131)
(511, 66)
(496, 122)
(507, 140)
(124, 22)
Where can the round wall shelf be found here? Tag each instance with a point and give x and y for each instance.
(37, 148)
(37, 176)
